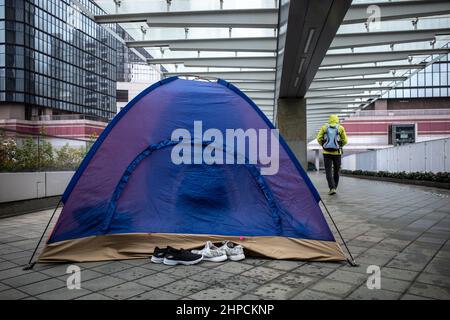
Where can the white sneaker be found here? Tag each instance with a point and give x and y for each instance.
(211, 253)
(234, 252)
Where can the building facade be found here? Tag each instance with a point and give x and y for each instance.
(55, 60)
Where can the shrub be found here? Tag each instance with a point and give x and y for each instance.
(29, 156)
(420, 176)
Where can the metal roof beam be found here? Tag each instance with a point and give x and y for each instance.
(230, 18)
(220, 62)
(325, 115)
(334, 107)
(319, 100)
(251, 85)
(230, 75)
(260, 94)
(259, 44)
(266, 103)
(332, 103)
(351, 72)
(358, 13)
(368, 57)
(364, 39)
(336, 83)
(334, 92)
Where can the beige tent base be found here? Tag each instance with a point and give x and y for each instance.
(141, 245)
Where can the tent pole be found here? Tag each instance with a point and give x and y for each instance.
(30, 263)
(351, 261)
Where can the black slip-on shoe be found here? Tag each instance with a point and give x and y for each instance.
(158, 255)
(181, 256)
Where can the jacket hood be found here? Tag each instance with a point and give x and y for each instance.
(333, 120)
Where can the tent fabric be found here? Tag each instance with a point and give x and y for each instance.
(139, 245)
(127, 189)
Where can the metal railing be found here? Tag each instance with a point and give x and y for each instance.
(427, 156)
(409, 112)
(69, 117)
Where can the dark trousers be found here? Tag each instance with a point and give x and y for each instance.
(332, 166)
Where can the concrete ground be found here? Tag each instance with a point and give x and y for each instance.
(403, 229)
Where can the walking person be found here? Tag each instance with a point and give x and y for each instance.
(332, 138)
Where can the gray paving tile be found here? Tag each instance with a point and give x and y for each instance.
(216, 293)
(333, 287)
(133, 273)
(85, 275)
(137, 262)
(263, 273)
(185, 287)
(13, 272)
(234, 267)
(429, 291)
(101, 283)
(157, 280)
(111, 267)
(211, 276)
(156, 294)
(314, 270)
(275, 291)
(4, 265)
(410, 261)
(94, 296)
(413, 297)
(4, 287)
(254, 261)
(394, 284)
(308, 294)
(124, 291)
(57, 270)
(25, 279)
(63, 294)
(401, 274)
(348, 277)
(283, 264)
(295, 280)
(241, 283)
(184, 271)
(249, 297)
(434, 279)
(12, 294)
(43, 286)
(363, 293)
(439, 266)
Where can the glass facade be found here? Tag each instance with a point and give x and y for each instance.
(54, 56)
(433, 81)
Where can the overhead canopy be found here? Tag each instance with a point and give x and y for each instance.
(288, 51)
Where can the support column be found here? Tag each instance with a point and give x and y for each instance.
(291, 121)
(317, 159)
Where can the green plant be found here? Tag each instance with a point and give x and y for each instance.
(420, 176)
(37, 154)
(69, 158)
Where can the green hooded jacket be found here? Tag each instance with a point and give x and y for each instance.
(332, 121)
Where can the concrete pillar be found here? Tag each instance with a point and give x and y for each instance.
(317, 159)
(291, 121)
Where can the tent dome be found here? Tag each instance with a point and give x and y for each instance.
(129, 196)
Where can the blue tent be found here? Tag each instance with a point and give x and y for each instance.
(128, 196)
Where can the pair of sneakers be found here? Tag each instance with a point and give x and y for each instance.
(228, 250)
(171, 256)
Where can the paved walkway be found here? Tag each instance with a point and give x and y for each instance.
(403, 229)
